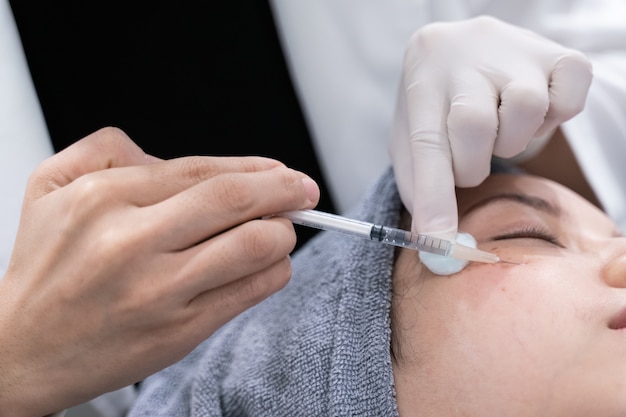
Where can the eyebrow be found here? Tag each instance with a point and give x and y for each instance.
(534, 202)
(537, 203)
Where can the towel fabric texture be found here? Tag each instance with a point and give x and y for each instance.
(319, 347)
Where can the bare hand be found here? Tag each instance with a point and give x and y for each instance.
(124, 263)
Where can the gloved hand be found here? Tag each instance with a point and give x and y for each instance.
(472, 89)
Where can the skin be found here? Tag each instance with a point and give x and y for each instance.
(546, 337)
(124, 263)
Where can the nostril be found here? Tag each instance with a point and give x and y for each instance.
(618, 322)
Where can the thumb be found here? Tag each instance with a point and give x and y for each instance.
(106, 148)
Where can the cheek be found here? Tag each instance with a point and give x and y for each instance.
(519, 302)
(522, 323)
(540, 288)
(497, 305)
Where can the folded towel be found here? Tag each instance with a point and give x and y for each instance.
(319, 347)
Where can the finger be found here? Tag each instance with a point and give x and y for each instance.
(523, 108)
(433, 198)
(472, 129)
(569, 85)
(228, 200)
(211, 309)
(105, 148)
(150, 184)
(242, 251)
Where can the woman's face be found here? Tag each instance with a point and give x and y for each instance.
(543, 338)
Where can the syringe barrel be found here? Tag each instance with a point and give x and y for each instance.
(328, 221)
(405, 239)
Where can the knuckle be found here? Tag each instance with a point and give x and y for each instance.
(258, 287)
(438, 36)
(238, 193)
(89, 193)
(526, 98)
(111, 137)
(429, 34)
(485, 22)
(233, 193)
(472, 122)
(112, 246)
(264, 240)
(256, 245)
(43, 178)
(425, 39)
(197, 168)
(577, 61)
(257, 163)
(291, 181)
(112, 133)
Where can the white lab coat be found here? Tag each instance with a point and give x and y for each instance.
(345, 57)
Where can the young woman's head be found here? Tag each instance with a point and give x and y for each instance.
(545, 337)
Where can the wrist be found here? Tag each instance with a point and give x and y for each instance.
(26, 389)
(24, 394)
(19, 396)
(19, 403)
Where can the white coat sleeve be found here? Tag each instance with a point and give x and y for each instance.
(24, 140)
(597, 135)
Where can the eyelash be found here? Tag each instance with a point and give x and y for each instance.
(532, 232)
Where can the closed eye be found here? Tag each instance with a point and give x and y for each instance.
(532, 233)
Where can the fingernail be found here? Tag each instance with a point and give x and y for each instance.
(311, 189)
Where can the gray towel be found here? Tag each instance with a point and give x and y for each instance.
(319, 347)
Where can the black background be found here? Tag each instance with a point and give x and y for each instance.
(180, 78)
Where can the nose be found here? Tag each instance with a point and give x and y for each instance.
(614, 272)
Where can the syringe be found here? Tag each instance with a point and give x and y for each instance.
(388, 235)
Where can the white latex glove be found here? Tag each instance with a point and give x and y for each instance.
(472, 89)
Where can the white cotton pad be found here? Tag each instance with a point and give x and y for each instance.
(447, 265)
